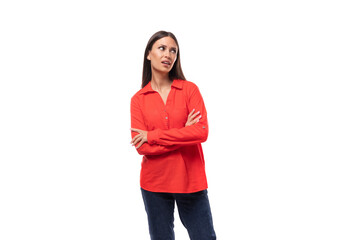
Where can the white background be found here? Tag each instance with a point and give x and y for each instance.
(280, 80)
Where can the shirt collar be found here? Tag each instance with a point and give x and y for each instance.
(177, 83)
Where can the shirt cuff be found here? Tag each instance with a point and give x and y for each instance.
(153, 136)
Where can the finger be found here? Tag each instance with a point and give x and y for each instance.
(194, 115)
(135, 138)
(137, 141)
(196, 120)
(191, 113)
(135, 130)
(141, 143)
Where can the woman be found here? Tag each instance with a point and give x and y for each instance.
(168, 124)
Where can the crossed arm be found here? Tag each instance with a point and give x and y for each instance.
(142, 136)
(159, 141)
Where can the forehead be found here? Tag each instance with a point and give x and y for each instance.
(168, 41)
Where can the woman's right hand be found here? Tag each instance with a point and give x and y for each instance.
(192, 119)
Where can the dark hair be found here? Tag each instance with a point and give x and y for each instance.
(175, 72)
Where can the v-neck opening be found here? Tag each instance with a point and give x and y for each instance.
(167, 97)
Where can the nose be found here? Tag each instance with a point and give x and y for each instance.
(167, 54)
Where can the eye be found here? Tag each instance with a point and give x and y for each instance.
(173, 50)
(161, 48)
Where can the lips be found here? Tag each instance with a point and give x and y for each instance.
(166, 62)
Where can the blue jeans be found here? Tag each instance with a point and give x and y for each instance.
(194, 211)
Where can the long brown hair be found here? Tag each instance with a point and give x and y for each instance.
(175, 73)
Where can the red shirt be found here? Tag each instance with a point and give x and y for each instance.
(173, 159)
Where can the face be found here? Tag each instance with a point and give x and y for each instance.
(163, 54)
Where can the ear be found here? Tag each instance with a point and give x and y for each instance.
(148, 56)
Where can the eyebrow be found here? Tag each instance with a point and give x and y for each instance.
(163, 45)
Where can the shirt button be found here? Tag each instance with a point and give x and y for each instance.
(166, 117)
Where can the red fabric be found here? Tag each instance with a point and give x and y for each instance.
(173, 159)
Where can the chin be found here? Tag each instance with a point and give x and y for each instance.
(164, 70)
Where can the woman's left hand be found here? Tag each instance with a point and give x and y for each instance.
(141, 137)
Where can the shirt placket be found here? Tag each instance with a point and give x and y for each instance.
(166, 114)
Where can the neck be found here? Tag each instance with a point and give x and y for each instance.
(160, 80)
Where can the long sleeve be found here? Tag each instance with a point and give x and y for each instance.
(194, 134)
(173, 159)
(138, 122)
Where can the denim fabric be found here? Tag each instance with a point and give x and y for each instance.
(194, 211)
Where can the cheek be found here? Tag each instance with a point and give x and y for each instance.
(154, 59)
(154, 55)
